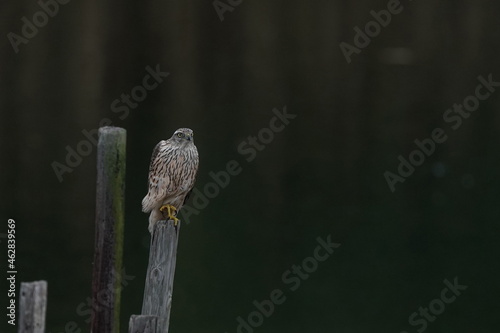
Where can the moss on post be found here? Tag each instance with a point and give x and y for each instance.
(110, 211)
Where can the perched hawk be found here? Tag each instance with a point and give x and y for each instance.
(172, 173)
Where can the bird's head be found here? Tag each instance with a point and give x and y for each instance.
(183, 136)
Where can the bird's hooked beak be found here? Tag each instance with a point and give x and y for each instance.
(189, 137)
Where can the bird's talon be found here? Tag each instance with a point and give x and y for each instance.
(171, 212)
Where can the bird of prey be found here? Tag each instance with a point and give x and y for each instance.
(172, 173)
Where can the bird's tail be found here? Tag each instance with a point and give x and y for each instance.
(154, 217)
(147, 204)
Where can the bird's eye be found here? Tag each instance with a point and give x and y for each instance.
(180, 135)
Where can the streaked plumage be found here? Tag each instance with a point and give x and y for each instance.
(172, 173)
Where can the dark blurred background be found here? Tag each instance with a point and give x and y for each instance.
(322, 175)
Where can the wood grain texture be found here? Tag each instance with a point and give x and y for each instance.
(32, 307)
(160, 274)
(106, 279)
(142, 324)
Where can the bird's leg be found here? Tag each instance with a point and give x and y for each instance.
(171, 212)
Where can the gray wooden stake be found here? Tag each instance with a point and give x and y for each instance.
(32, 307)
(110, 210)
(160, 275)
(142, 324)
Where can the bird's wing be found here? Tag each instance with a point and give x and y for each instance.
(159, 180)
(194, 179)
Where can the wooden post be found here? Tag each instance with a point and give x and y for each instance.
(106, 280)
(160, 275)
(32, 307)
(142, 324)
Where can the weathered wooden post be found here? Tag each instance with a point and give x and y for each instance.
(160, 275)
(110, 210)
(32, 307)
(142, 324)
